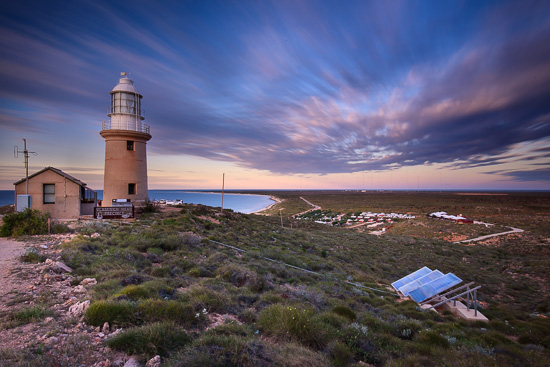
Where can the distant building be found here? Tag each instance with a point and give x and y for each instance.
(57, 193)
(126, 138)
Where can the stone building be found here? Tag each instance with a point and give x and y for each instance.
(54, 191)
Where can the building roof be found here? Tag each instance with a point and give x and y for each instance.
(58, 171)
(125, 85)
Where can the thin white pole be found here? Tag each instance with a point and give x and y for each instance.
(223, 188)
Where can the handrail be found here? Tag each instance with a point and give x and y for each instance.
(129, 125)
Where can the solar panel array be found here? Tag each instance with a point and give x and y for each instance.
(425, 283)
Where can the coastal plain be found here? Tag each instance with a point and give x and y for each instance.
(201, 287)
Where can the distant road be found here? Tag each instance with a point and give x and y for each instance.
(315, 207)
(513, 230)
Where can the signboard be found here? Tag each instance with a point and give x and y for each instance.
(113, 212)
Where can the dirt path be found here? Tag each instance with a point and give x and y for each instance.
(315, 207)
(9, 251)
(513, 230)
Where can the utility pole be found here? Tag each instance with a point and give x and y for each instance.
(281, 214)
(223, 187)
(25, 152)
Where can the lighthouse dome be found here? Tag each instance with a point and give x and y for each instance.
(125, 85)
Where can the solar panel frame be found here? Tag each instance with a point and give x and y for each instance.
(434, 287)
(411, 277)
(407, 288)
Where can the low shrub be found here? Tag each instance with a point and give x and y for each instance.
(208, 298)
(212, 350)
(340, 354)
(433, 339)
(158, 338)
(27, 222)
(156, 310)
(31, 314)
(300, 324)
(119, 313)
(346, 312)
(237, 275)
(32, 256)
(134, 292)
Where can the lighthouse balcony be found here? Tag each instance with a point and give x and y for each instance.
(132, 125)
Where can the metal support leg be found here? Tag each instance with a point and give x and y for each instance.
(475, 302)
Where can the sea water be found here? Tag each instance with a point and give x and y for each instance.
(244, 203)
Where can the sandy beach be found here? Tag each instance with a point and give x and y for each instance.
(276, 201)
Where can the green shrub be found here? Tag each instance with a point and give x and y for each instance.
(212, 350)
(339, 353)
(346, 312)
(134, 292)
(31, 314)
(433, 339)
(119, 313)
(162, 272)
(27, 222)
(158, 338)
(206, 297)
(155, 310)
(32, 256)
(237, 275)
(300, 324)
(105, 289)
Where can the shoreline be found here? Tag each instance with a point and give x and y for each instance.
(273, 198)
(276, 201)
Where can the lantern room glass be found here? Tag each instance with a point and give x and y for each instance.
(126, 103)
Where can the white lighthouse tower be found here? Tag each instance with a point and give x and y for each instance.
(126, 137)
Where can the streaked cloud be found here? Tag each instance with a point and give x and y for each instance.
(296, 87)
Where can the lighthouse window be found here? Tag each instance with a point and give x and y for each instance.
(130, 145)
(131, 189)
(49, 193)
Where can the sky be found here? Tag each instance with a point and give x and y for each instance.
(409, 95)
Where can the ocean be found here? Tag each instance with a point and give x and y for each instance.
(243, 203)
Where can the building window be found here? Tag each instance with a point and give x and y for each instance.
(129, 145)
(49, 193)
(131, 189)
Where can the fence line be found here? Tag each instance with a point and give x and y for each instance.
(308, 271)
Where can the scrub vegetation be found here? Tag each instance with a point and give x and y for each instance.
(178, 293)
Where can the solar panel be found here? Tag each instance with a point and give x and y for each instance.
(411, 277)
(434, 287)
(407, 288)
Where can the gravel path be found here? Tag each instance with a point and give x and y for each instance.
(513, 230)
(9, 250)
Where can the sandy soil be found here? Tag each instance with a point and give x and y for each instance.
(9, 251)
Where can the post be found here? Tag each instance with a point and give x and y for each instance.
(49, 226)
(223, 188)
(281, 214)
(26, 154)
(475, 302)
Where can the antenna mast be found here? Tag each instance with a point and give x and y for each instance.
(26, 155)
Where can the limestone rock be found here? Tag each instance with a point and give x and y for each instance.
(132, 362)
(105, 363)
(79, 290)
(58, 266)
(88, 282)
(78, 308)
(95, 235)
(153, 362)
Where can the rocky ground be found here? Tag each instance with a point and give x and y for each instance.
(41, 310)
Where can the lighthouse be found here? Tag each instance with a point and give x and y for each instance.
(126, 138)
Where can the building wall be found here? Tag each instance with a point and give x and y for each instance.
(123, 166)
(67, 195)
